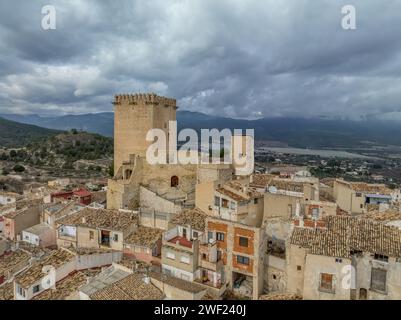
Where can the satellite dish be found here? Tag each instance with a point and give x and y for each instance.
(272, 189)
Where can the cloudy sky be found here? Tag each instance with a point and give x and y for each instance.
(237, 58)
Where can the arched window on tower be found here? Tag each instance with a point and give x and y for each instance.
(174, 181)
(128, 173)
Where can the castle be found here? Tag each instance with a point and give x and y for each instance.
(165, 188)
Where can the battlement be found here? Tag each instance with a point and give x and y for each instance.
(147, 98)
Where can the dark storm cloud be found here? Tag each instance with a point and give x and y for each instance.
(236, 58)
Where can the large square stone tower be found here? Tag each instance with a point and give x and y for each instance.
(134, 116)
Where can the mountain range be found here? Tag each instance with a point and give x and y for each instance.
(295, 132)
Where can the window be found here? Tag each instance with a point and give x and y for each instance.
(363, 294)
(224, 203)
(184, 259)
(243, 260)
(209, 236)
(299, 268)
(21, 291)
(184, 232)
(220, 236)
(217, 201)
(326, 282)
(381, 257)
(218, 255)
(128, 173)
(170, 255)
(174, 181)
(255, 201)
(195, 235)
(35, 289)
(204, 256)
(361, 206)
(358, 194)
(243, 242)
(91, 235)
(115, 238)
(338, 260)
(378, 279)
(232, 205)
(315, 213)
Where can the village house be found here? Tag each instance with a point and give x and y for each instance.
(133, 287)
(144, 244)
(57, 265)
(11, 263)
(39, 276)
(105, 278)
(236, 201)
(180, 251)
(242, 249)
(96, 228)
(41, 234)
(9, 197)
(16, 221)
(55, 211)
(177, 289)
(356, 197)
(319, 260)
(81, 196)
(68, 287)
(61, 182)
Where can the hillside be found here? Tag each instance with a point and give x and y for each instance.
(62, 150)
(14, 134)
(296, 132)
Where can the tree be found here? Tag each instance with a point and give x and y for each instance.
(19, 168)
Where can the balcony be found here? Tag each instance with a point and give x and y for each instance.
(172, 239)
(208, 256)
(214, 266)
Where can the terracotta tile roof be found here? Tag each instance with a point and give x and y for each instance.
(239, 191)
(345, 234)
(193, 217)
(68, 286)
(385, 216)
(231, 194)
(99, 196)
(144, 236)
(287, 185)
(56, 258)
(261, 180)
(133, 264)
(367, 187)
(39, 229)
(13, 259)
(177, 283)
(7, 291)
(15, 213)
(35, 251)
(101, 218)
(132, 287)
